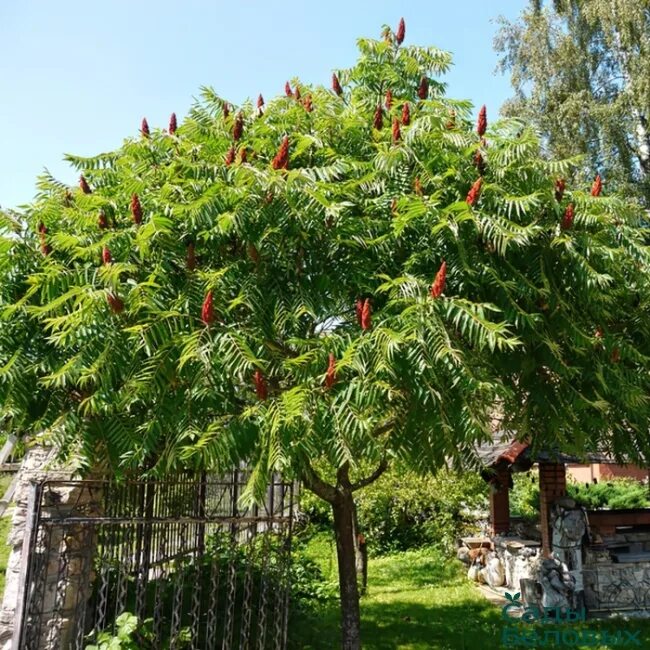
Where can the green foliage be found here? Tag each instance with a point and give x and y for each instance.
(580, 71)
(286, 253)
(405, 510)
(524, 495)
(615, 493)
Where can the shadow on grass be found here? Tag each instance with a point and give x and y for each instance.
(403, 624)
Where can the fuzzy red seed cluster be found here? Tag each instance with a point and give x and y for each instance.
(83, 184)
(567, 219)
(560, 186)
(260, 101)
(417, 186)
(102, 221)
(330, 375)
(388, 102)
(230, 156)
(597, 187)
(406, 114)
(423, 88)
(225, 109)
(281, 160)
(438, 285)
(481, 124)
(401, 31)
(207, 309)
(107, 258)
(479, 162)
(358, 307)
(336, 85)
(378, 119)
(297, 95)
(397, 134)
(144, 128)
(191, 256)
(287, 90)
(475, 192)
(136, 210)
(366, 315)
(243, 155)
(238, 127)
(307, 103)
(261, 388)
(172, 124)
(115, 303)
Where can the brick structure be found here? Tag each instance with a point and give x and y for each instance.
(500, 502)
(552, 484)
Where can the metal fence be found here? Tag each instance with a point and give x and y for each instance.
(195, 570)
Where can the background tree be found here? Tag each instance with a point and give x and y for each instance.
(335, 278)
(580, 71)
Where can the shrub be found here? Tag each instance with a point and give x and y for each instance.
(616, 493)
(404, 510)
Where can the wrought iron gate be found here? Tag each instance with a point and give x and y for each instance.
(196, 571)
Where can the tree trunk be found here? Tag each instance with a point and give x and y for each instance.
(343, 508)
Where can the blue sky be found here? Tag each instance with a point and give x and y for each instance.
(78, 76)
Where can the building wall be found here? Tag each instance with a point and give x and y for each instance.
(605, 471)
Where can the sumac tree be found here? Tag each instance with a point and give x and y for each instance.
(301, 282)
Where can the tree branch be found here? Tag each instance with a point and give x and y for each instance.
(383, 466)
(316, 484)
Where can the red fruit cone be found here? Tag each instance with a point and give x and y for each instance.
(106, 256)
(260, 385)
(481, 125)
(336, 85)
(388, 102)
(281, 160)
(307, 103)
(207, 310)
(136, 210)
(475, 192)
(597, 187)
(144, 128)
(225, 110)
(172, 124)
(479, 162)
(366, 315)
(330, 375)
(560, 185)
(567, 219)
(243, 155)
(83, 184)
(238, 127)
(406, 114)
(401, 31)
(378, 120)
(115, 303)
(230, 156)
(397, 135)
(438, 285)
(102, 221)
(423, 89)
(359, 309)
(260, 101)
(287, 90)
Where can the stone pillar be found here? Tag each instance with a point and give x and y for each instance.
(500, 502)
(552, 485)
(37, 465)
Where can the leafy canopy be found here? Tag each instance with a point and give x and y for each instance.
(104, 344)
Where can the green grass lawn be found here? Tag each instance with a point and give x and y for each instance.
(420, 600)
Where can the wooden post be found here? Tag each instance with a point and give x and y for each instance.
(500, 502)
